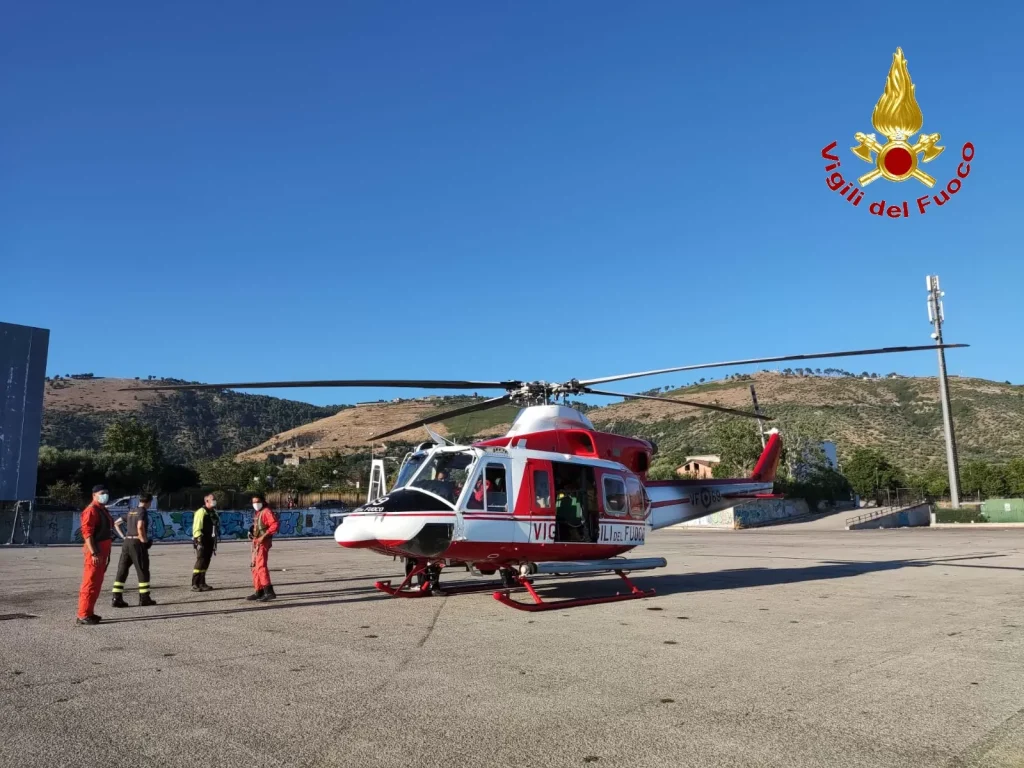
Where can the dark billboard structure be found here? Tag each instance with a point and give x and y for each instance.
(22, 379)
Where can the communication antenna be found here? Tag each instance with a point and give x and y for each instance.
(936, 316)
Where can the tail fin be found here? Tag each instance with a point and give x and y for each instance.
(769, 461)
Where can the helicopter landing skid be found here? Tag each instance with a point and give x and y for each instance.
(504, 597)
(431, 587)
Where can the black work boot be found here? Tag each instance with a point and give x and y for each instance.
(203, 586)
(118, 601)
(145, 599)
(88, 620)
(268, 594)
(195, 582)
(257, 595)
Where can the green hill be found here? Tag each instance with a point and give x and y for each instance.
(899, 416)
(192, 425)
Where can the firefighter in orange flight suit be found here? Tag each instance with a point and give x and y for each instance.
(96, 527)
(264, 526)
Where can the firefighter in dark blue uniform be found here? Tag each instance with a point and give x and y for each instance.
(134, 551)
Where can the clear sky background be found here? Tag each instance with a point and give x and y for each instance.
(234, 190)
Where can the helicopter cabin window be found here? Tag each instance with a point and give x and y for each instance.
(637, 504)
(490, 491)
(541, 489)
(616, 503)
(576, 510)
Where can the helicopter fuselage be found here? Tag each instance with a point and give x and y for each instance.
(559, 493)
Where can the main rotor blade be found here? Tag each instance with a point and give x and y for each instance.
(414, 383)
(672, 400)
(783, 358)
(492, 403)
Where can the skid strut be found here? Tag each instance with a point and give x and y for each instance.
(430, 586)
(423, 590)
(504, 597)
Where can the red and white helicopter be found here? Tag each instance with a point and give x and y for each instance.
(554, 496)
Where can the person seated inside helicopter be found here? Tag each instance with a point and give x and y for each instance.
(442, 486)
(476, 498)
(569, 515)
(489, 490)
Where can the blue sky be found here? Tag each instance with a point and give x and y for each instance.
(225, 191)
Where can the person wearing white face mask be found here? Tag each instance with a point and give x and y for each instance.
(264, 526)
(96, 535)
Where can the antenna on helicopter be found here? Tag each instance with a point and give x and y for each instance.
(438, 439)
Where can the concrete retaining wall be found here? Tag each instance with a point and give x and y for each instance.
(751, 515)
(65, 527)
(911, 517)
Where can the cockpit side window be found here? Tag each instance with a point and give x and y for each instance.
(490, 491)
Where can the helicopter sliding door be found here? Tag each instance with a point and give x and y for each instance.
(576, 503)
(487, 508)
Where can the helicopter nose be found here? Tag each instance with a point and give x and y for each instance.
(355, 532)
(390, 531)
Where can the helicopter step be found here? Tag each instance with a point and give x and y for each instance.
(619, 565)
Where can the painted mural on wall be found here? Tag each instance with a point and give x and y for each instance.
(749, 515)
(177, 526)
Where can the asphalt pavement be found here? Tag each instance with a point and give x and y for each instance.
(774, 647)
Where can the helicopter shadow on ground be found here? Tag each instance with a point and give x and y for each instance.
(283, 603)
(743, 578)
(281, 595)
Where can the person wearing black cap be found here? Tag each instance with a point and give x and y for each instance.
(96, 527)
(134, 551)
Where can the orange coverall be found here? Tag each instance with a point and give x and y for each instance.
(265, 524)
(96, 522)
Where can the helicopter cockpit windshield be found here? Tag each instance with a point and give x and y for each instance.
(410, 466)
(444, 473)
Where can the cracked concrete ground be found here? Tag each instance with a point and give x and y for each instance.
(771, 647)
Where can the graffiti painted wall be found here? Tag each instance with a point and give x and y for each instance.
(234, 524)
(760, 512)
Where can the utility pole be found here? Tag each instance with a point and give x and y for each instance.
(936, 317)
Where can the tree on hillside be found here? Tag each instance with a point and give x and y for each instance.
(227, 474)
(867, 470)
(739, 446)
(1015, 477)
(64, 492)
(931, 482)
(129, 436)
(980, 478)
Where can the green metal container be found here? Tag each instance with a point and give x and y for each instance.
(1003, 510)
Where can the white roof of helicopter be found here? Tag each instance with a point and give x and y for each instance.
(541, 418)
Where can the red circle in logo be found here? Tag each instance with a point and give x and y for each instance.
(898, 161)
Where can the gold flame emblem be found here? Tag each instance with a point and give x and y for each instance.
(897, 116)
